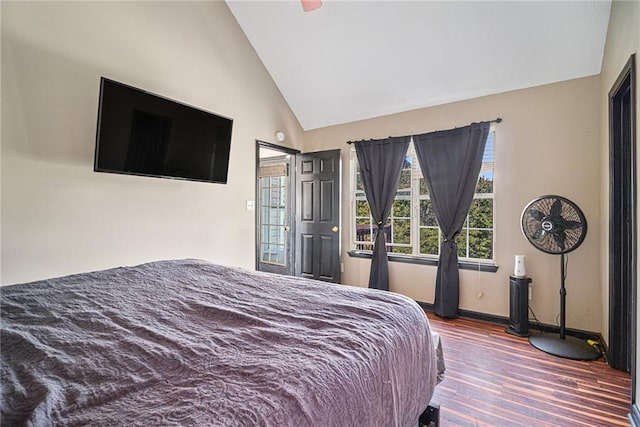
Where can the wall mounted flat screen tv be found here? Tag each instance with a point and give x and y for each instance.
(140, 133)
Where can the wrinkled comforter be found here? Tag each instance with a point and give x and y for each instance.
(188, 342)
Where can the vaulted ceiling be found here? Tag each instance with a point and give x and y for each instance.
(353, 60)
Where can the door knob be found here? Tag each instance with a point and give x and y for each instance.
(335, 229)
(286, 228)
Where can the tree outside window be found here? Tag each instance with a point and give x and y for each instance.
(412, 228)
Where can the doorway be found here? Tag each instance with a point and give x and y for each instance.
(298, 212)
(622, 224)
(275, 213)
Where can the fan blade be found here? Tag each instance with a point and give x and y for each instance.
(572, 225)
(536, 214)
(538, 234)
(556, 208)
(560, 237)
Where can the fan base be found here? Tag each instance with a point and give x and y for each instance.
(569, 347)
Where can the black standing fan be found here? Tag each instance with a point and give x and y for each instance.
(555, 225)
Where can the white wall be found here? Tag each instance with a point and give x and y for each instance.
(60, 217)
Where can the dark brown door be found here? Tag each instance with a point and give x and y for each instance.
(318, 215)
(622, 224)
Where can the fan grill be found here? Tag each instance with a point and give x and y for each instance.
(554, 224)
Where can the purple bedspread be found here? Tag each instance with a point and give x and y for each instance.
(192, 343)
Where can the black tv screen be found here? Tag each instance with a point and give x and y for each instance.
(140, 133)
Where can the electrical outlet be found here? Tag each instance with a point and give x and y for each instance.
(250, 205)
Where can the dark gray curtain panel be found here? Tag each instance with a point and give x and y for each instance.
(381, 163)
(450, 161)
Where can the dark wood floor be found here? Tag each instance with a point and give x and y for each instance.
(496, 379)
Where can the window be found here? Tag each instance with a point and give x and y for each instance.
(412, 228)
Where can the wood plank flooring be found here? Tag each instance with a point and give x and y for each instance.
(497, 379)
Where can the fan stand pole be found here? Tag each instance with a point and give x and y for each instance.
(563, 298)
(562, 345)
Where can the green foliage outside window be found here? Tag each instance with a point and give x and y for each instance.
(475, 241)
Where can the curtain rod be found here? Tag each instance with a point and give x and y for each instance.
(497, 120)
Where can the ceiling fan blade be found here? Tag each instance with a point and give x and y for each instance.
(536, 214)
(556, 208)
(560, 237)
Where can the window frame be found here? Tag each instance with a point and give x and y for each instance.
(415, 257)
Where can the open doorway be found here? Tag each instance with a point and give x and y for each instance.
(622, 224)
(275, 208)
(298, 212)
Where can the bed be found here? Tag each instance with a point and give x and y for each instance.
(187, 342)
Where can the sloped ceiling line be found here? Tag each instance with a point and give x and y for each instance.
(354, 60)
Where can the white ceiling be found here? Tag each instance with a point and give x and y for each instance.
(352, 60)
